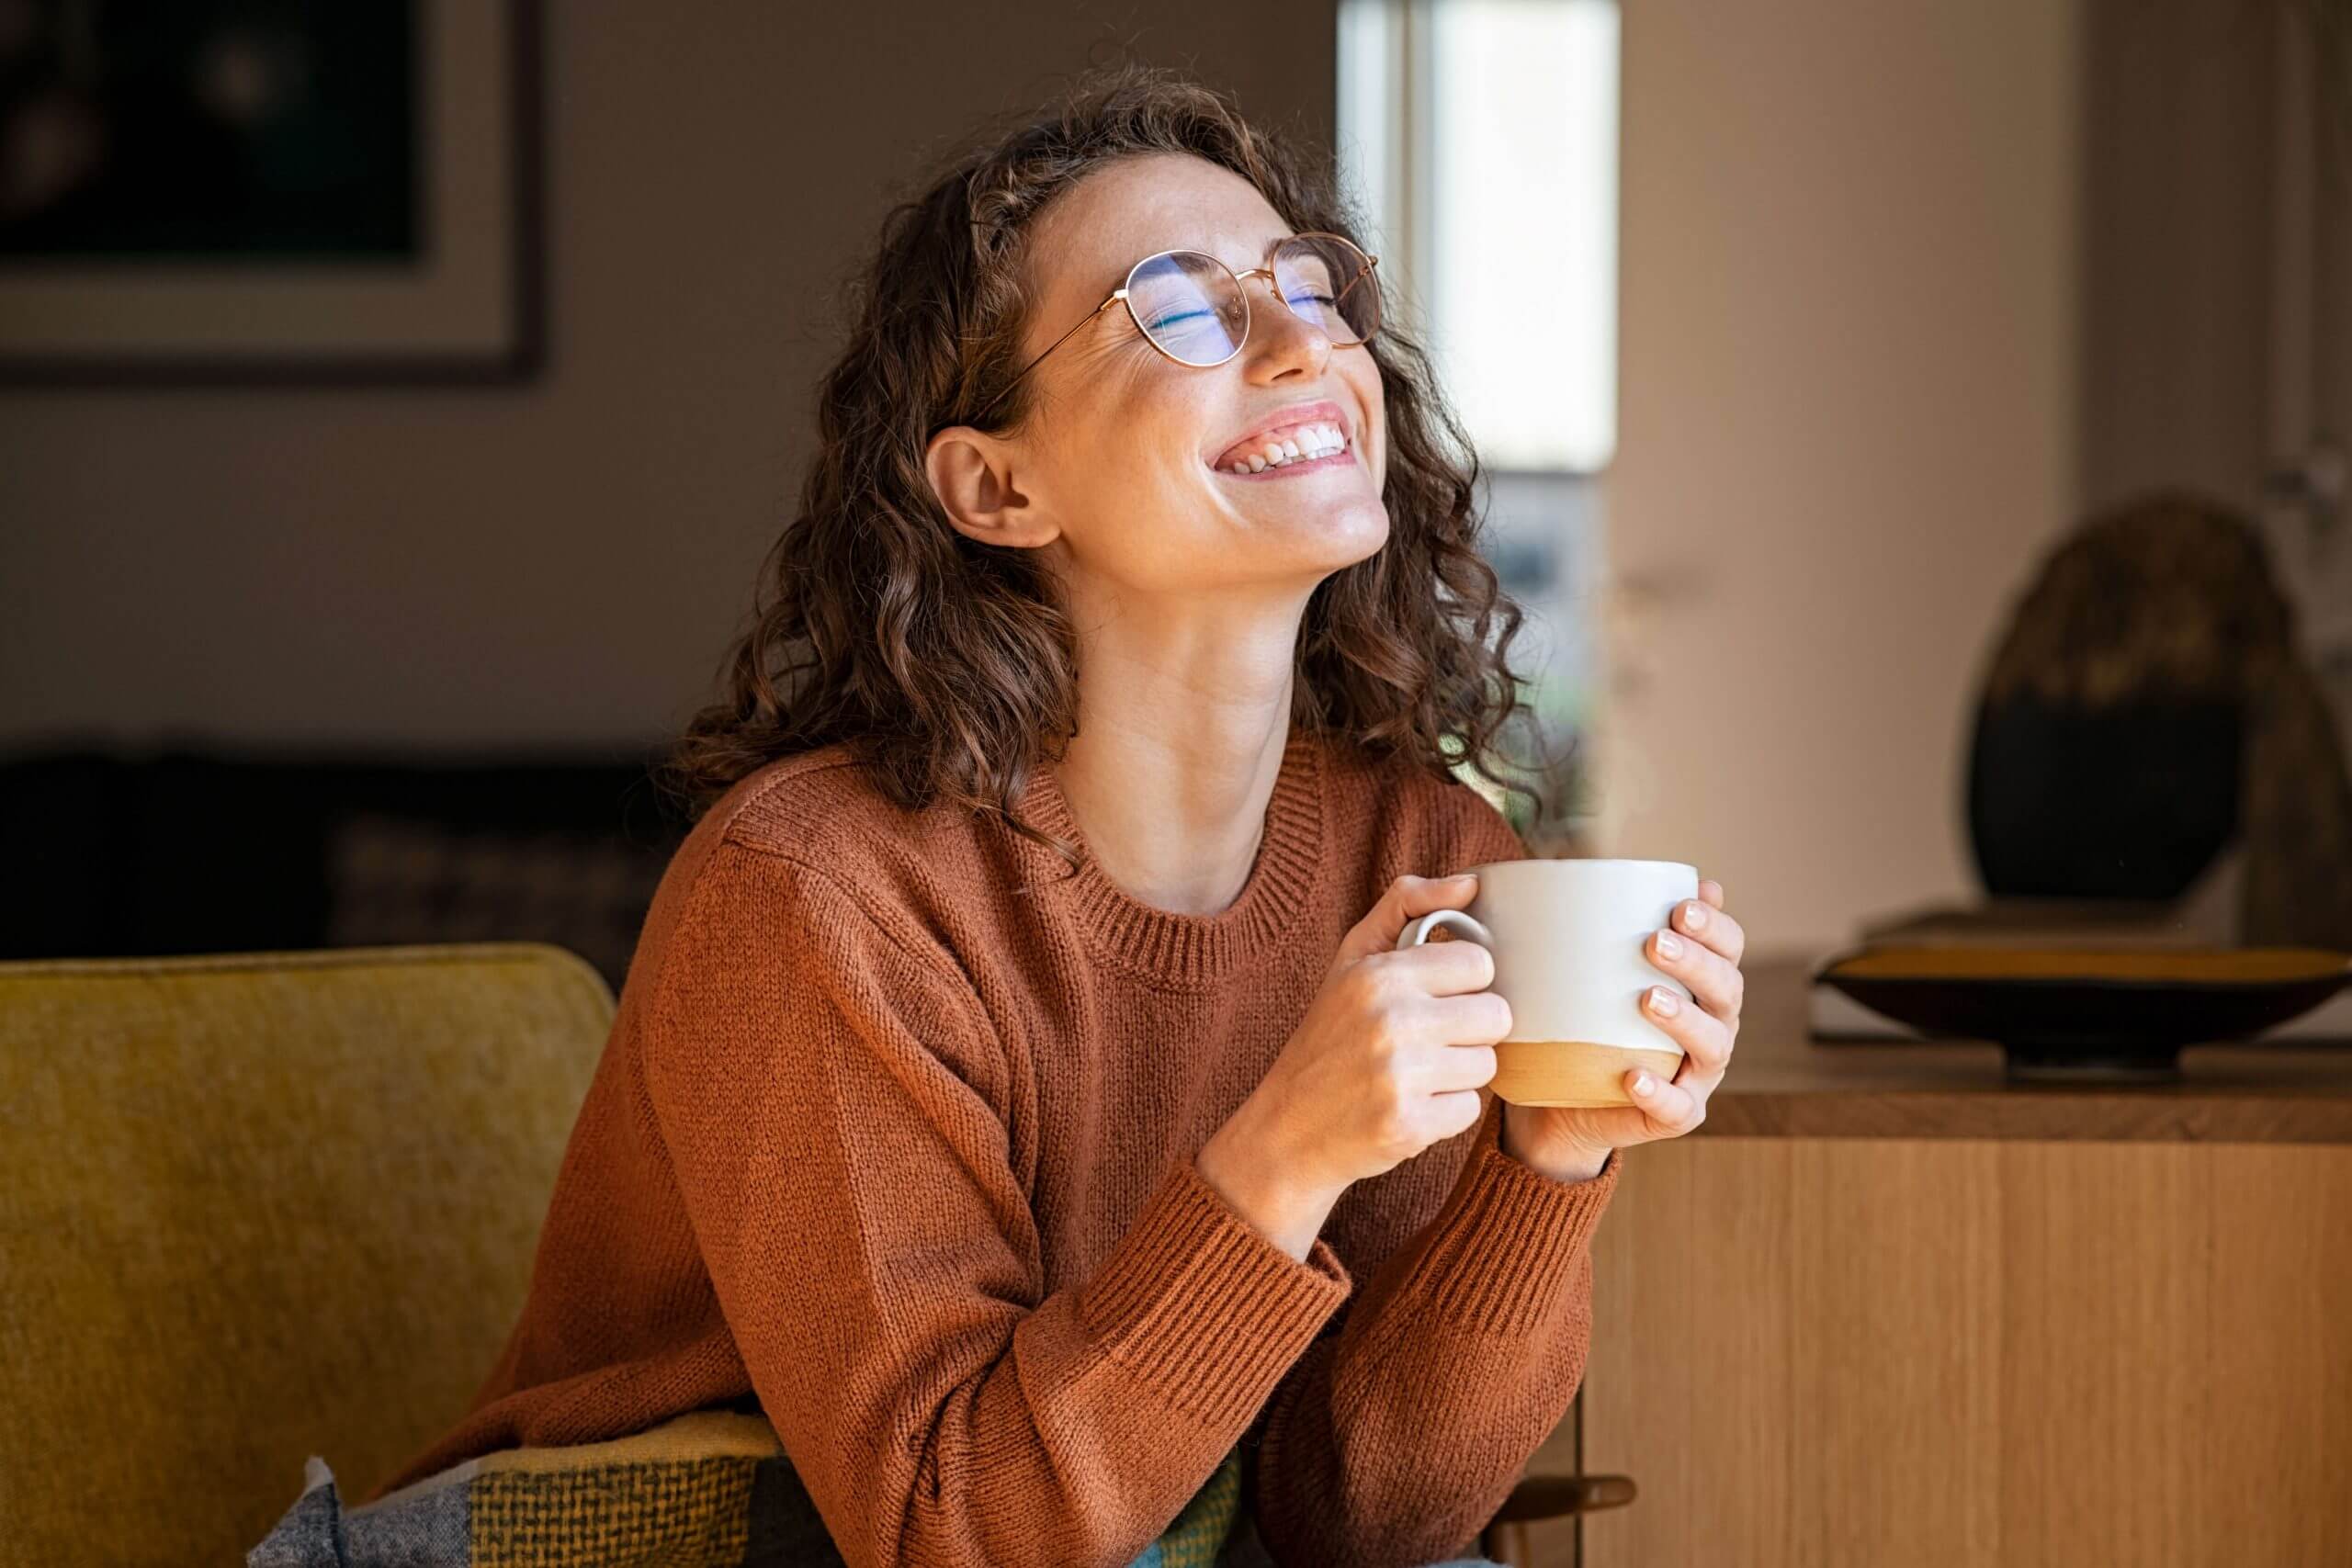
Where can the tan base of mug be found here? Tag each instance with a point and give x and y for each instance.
(1573, 1072)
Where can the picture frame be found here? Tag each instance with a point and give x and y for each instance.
(316, 195)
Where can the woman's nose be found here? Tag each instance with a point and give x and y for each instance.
(1279, 336)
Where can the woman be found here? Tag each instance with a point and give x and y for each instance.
(1015, 1090)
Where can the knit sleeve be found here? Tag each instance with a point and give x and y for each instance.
(1396, 1440)
(835, 1106)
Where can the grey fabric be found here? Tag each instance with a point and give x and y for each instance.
(427, 1531)
(430, 1530)
(310, 1534)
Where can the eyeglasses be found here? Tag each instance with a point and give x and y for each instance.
(1193, 308)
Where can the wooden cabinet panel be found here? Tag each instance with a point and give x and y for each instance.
(1871, 1351)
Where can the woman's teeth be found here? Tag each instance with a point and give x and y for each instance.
(1305, 444)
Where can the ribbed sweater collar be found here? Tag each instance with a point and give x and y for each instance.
(1179, 950)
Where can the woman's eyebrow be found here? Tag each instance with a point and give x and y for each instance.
(1268, 251)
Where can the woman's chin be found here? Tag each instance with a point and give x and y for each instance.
(1338, 533)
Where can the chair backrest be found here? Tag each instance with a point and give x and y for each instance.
(257, 1206)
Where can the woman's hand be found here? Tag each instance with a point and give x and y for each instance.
(1702, 950)
(1388, 1059)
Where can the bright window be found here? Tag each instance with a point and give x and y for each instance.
(1481, 136)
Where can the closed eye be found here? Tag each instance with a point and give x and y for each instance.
(1161, 323)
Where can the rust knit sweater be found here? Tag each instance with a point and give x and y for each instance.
(909, 1156)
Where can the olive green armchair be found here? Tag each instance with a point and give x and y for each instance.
(257, 1206)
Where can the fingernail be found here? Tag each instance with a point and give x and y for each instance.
(1695, 916)
(1669, 945)
(1641, 1083)
(1664, 1002)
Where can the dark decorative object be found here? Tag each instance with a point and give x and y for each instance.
(2147, 707)
(259, 191)
(2155, 797)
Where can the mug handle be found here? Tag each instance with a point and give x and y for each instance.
(1416, 932)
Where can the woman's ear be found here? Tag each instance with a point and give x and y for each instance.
(972, 474)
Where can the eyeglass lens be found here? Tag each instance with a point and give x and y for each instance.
(1190, 305)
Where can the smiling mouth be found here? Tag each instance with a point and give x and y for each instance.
(1307, 447)
(1344, 458)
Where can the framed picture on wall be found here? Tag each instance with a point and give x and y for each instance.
(270, 191)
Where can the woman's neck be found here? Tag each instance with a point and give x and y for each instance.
(1174, 761)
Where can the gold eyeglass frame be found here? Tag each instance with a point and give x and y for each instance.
(1240, 282)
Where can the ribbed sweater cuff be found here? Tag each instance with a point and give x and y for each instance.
(1502, 1257)
(1196, 1303)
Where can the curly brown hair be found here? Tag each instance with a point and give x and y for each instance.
(945, 664)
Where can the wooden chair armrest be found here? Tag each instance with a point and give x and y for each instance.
(1505, 1539)
(1556, 1496)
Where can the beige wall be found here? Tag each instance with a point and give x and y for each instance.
(2178, 224)
(1846, 422)
(563, 561)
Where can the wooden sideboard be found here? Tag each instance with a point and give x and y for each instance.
(1882, 1308)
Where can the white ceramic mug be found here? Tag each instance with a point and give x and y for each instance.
(1569, 943)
